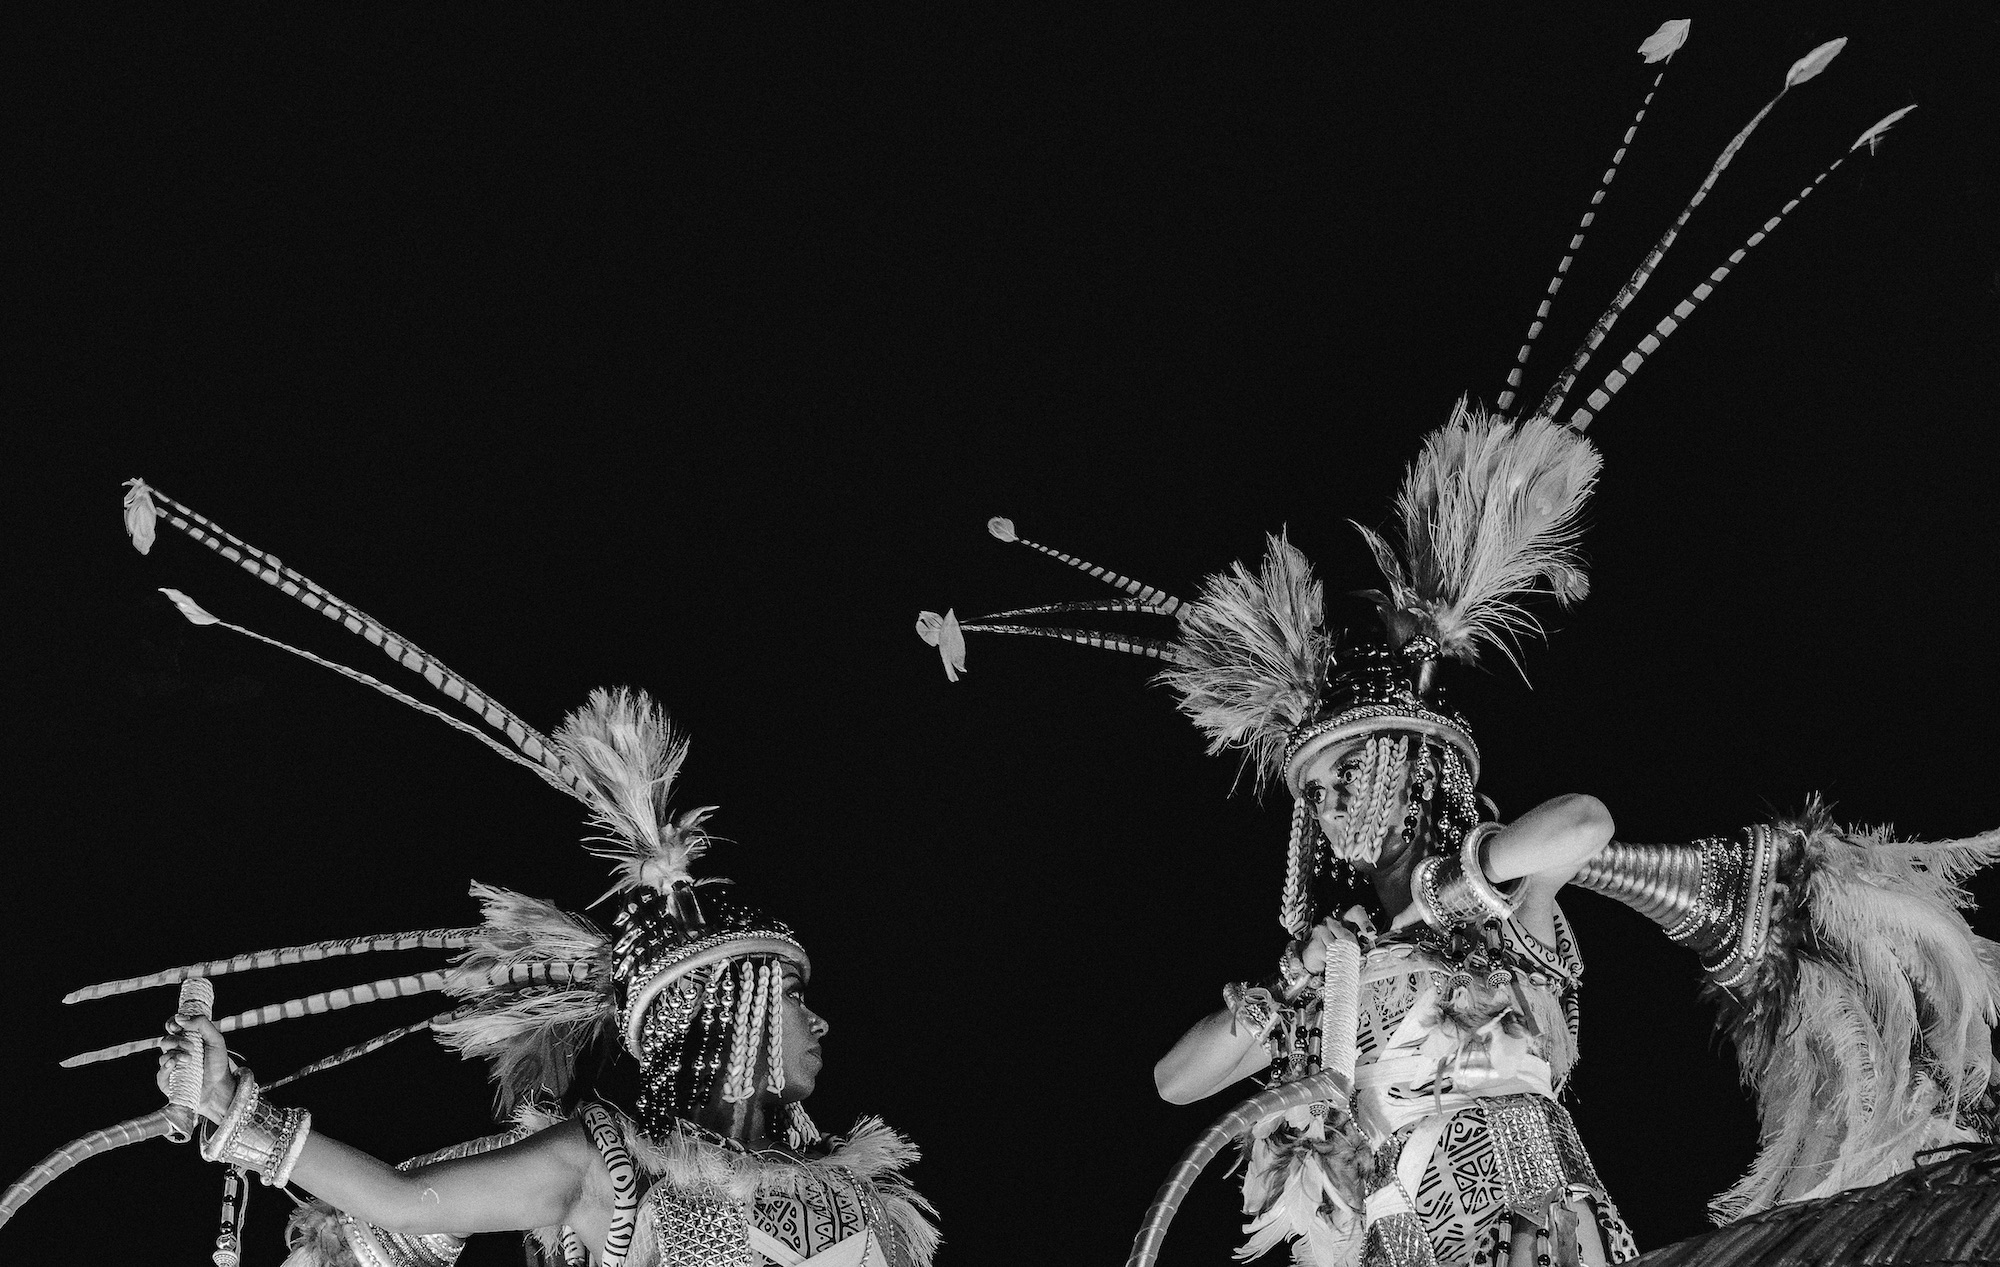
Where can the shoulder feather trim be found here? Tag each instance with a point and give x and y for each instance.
(871, 1152)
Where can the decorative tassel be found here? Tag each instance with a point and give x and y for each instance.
(1295, 910)
(800, 1132)
(235, 1212)
(738, 1084)
(774, 1039)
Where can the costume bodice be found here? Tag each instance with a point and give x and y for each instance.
(1485, 1012)
(824, 1217)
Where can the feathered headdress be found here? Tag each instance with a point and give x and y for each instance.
(536, 985)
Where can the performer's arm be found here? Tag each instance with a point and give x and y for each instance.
(1221, 1048)
(1215, 1052)
(552, 1177)
(1543, 848)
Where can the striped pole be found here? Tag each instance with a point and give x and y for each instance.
(1661, 48)
(45, 1171)
(1324, 1085)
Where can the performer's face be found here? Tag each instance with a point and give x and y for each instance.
(803, 1031)
(1331, 786)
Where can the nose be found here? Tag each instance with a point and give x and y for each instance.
(816, 1024)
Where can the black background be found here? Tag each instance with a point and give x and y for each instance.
(692, 354)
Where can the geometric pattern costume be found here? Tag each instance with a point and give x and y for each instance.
(634, 1032)
(1411, 1115)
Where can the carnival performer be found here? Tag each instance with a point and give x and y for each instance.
(654, 1074)
(1416, 1053)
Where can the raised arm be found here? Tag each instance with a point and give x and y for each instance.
(1542, 850)
(550, 1178)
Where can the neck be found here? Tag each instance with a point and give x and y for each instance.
(756, 1123)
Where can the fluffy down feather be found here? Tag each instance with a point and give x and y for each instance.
(531, 1034)
(1304, 1180)
(1868, 1024)
(628, 754)
(1488, 513)
(1253, 648)
(313, 1236)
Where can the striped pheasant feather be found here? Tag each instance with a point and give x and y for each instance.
(370, 992)
(1661, 47)
(144, 506)
(426, 939)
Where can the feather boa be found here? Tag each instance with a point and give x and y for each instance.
(1489, 512)
(1866, 1028)
(871, 1151)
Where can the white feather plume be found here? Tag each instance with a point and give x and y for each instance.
(628, 753)
(1489, 512)
(1253, 649)
(1868, 1025)
(530, 1034)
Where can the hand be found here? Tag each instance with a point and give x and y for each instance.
(1313, 953)
(1411, 914)
(218, 1083)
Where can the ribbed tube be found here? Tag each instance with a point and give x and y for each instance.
(1661, 882)
(1327, 1084)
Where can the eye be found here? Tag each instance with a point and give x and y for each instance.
(1314, 795)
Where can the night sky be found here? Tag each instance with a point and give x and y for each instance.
(587, 349)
